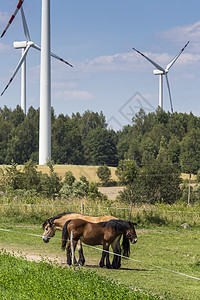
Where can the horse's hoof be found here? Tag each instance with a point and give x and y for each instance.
(80, 263)
(109, 267)
(116, 267)
(102, 266)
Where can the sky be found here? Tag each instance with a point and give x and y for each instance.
(97, 37)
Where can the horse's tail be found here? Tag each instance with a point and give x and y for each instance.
(126, 246)
(65, 235)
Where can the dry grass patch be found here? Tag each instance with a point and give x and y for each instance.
(90, 172)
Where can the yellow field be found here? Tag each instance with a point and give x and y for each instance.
(90, 172)
(186, 176)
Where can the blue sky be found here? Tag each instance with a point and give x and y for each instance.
(97, 38)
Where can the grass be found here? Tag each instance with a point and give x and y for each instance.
(174, 249)
(45, 280)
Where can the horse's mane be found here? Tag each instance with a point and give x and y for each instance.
(116, 224)
(51, 220)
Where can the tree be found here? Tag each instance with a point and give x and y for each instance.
(148, 150)
(104, 174)
(66, 142)
(89, 121)
(159, 181)
(127, 172)
(100, 147)
(190, 152)
(23, 143)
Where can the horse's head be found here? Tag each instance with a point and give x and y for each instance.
(49, 230)
(131, 233)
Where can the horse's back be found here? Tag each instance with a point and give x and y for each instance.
(87, 218)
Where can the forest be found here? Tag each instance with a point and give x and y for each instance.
(86, 140)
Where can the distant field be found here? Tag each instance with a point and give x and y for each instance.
(90, 172)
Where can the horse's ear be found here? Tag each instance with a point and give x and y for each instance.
(50, 222)
(131, 223)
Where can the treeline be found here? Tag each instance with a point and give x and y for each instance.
(86, 140)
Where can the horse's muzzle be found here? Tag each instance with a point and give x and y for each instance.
(133, 241)
(45, 239)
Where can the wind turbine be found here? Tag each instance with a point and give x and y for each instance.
(45, 81)
(161, 71)
(22, 63)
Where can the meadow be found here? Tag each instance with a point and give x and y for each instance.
(165, 261)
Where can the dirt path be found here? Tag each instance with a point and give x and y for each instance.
(111, 192)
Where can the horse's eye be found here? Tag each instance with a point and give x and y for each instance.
(46, 228)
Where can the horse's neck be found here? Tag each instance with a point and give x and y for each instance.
(59, 225)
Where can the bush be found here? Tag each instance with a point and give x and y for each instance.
(13, 179)
(104, 174)
(69, 178)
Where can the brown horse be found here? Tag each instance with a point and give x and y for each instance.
(103, 233)
(56, 223)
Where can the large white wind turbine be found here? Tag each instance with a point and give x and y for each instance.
(161, 71)
(45, 81)
(22, 63)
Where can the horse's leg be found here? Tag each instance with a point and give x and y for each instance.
(108, 265)
(101, 264)
(81, 256)
(74, 245)
(69, 254)
(105, 254)
(116, 263)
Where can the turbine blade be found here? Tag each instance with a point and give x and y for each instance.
(53, 55)
(170, 96)
(25, 26)
(17, 68)
(175, 58)
(13, 16)
(151, 61)
(61, 59)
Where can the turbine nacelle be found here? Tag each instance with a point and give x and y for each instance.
(23, 44)
(159, 72)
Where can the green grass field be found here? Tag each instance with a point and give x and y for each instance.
(157, 250)
(21, 280)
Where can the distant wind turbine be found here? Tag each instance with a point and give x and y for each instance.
(160, 71)
(25, 46)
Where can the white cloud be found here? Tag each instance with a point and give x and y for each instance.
(133, 62)
(74, 95)
(182, 34)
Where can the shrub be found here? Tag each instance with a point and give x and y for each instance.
(104, 174)
(69, 178)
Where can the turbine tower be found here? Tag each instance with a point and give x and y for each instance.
(161, 71)
(45, 76)
(45, 87)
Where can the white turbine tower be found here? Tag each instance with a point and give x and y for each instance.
(45, 80)
(161, 71)
(45, 87)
